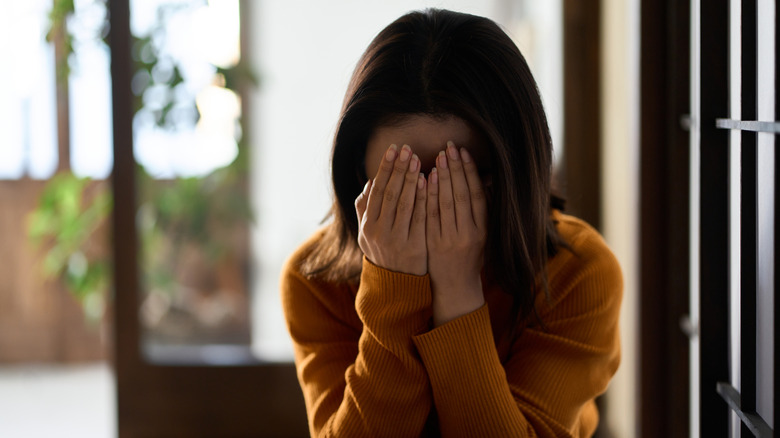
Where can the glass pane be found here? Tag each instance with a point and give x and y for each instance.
(193, 205)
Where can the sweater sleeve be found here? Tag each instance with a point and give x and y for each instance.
(361, 383)
(547, 384)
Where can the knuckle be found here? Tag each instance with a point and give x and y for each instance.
(386, 166)
(399, 169)
(390, 195)
(404, 206)
(446, 205)
(477, 194)
(376, 192)
(461, 197)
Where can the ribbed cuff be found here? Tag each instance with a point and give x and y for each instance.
(388, 297)
(460, 350)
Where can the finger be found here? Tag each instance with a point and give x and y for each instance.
(417, 228)
(432, 218)
(403, 213)
(476, 190)
(394, 186)
(446, 204)
(460, 189)
(361, 201)
(377, 192)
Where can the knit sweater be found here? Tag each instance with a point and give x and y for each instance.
(370, 363)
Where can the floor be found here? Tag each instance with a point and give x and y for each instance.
(57, 401)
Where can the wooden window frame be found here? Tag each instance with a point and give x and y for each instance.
(261, 400)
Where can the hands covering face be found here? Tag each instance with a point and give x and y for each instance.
(414, 225)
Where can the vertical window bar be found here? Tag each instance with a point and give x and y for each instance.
(776, 389)
(749, 222)
(714, 210)
(694, 218)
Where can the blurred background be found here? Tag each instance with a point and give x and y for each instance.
(233, 105)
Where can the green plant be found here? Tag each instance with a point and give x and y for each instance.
(172, 214)
(65, 223)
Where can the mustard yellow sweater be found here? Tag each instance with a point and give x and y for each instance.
(370, 363)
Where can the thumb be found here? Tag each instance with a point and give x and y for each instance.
(362, 200)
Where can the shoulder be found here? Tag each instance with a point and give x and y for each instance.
(575, 232)
(293, 277)
(586, 271)
(302, 293)
(295, 261)
(585, 245)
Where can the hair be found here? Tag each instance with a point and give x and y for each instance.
(441, 63)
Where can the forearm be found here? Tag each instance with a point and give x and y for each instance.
(385, 391)
(469, 384)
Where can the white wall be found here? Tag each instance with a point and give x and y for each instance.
(620, 191)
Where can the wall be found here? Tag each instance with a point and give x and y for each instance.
(620, 192)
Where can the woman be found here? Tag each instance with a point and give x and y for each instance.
(447, 296)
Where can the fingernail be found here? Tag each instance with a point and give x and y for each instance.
(442, 161)
(420, 181)
(406, 151)
(452, 151)
(415, 165)
(434, 176)
(465, 155)
(390, 154)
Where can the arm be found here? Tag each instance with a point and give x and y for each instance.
(547, 384)
(370, 383)
(361, 383)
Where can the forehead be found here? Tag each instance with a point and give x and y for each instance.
(426, 135)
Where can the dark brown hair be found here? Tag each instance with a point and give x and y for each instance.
(440, 63)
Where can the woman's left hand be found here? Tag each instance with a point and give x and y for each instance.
(456, 231)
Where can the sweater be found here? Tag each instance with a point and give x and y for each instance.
(370, 363)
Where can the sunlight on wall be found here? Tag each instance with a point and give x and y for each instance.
(208, 34)
(620, 192)
(91, 126)
(28, 143)
(198, 37)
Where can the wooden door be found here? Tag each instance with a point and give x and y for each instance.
(246, 398)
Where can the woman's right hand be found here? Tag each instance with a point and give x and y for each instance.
(391, 214)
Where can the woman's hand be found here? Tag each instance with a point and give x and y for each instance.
(456, 234)
(391, 214)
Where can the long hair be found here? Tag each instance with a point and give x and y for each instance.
(442, 63)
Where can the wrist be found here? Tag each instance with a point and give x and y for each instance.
(455, 301)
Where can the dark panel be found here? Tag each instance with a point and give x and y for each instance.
(581, 112)
(713, 250)
(749, 213)
(256, 401)
(664, 63)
